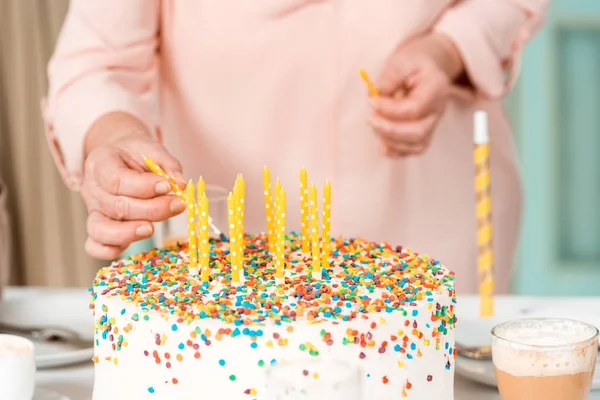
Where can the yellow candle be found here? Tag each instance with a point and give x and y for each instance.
(174, 187)
(154, 167)
(314, 227)
(282, 230)
(485, 257)
(204, 240)
(268, 207)
(279, 232)
(326, 224)
(232, 238)
(304, 210)
(373, 91)
(201, 188)
(192, 235)
(276, 191)
(240, 185)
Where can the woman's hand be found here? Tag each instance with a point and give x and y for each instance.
(414, 88)
(122, 197)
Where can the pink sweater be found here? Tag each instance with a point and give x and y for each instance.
(235, 85)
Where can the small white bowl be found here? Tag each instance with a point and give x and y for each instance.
(17, 368)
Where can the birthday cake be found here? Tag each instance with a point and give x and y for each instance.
(162, 333)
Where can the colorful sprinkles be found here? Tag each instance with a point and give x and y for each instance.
(365, 278)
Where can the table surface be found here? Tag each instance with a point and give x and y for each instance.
(77, 381)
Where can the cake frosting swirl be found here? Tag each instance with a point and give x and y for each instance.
(161, 333)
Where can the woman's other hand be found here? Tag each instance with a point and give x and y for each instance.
(414, 89)
(122, 197)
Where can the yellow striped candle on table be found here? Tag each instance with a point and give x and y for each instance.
(326, 247)
(269, 208)
(314, 228)
(485, 254)
(204, 240)
(192, 233)
(304, 210)
(373, 91)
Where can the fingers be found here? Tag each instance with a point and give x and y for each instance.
(400, 150)
(110, 170)
(421, 100)
(123, 208)
(101, 251)
(404, 138)
(123, 181)
(113, 233)
(411, 132)
(394, 75)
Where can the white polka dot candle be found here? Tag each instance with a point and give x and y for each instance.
(304, 210)
(192, 233)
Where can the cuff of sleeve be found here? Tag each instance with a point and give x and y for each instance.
(66, 129)
(482, 66)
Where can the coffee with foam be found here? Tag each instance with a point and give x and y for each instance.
(544, 347)
(17, 368)
(13, 350)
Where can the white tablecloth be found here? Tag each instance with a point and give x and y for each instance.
(77, 382)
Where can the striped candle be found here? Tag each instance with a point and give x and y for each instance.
(485, 253)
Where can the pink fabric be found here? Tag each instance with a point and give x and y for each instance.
(275, 82)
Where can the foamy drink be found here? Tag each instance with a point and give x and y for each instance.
(544, 359)
(17, 368)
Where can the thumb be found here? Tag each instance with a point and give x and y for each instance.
(394, 75)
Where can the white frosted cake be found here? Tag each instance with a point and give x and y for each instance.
(162, 334)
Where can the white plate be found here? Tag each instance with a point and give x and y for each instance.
(64, 310)
(477, 332)
(43, 394)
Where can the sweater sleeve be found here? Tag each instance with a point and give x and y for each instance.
(104, 61)
(490, 35)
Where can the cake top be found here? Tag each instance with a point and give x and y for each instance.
(364, 277)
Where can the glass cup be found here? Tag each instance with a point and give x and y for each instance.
(312, 380)
(175, 229)
(544, 359)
